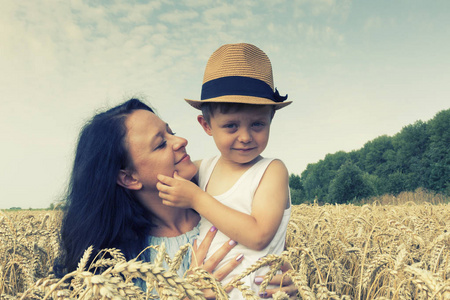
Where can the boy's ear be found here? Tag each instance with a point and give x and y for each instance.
(204, 124)
(127, 180)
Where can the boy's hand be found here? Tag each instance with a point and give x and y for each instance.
(177, 191)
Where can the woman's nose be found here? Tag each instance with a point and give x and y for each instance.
(179, 142)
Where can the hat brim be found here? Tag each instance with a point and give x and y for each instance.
(238, 99)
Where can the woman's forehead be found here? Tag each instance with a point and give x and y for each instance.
(144, 124)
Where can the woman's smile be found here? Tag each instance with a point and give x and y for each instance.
(185, 157)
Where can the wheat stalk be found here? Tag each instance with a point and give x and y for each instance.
(396, 251)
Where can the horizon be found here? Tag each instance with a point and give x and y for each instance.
(58, 202)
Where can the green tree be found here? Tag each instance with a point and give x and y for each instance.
(297, 197)
(396, 183)
(297, 192)
(410, 145)
(350, 184)
(294, 182)
(417, 156)
(312, 181)
(438, 153)
(317, 177)
(374, 155)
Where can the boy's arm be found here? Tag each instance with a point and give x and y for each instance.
(254, 231)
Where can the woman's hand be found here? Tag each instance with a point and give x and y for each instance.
(286, 283)
(199, 254)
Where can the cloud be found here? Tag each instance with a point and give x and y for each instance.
(136, 13)
(221, 11)
(197, 3)
(373, 23)
(178, 17)
(320, 34)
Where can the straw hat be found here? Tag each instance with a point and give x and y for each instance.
(239, 73)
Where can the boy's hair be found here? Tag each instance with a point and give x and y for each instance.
(209, 108)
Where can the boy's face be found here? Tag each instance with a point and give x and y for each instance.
(240, 136)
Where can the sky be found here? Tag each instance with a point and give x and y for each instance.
(355, 70)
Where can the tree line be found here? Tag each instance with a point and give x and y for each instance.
(417, 156)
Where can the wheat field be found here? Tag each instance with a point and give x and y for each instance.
(393, 248)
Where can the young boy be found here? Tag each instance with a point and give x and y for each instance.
(245, 196)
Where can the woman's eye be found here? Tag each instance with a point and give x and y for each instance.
(162, 145)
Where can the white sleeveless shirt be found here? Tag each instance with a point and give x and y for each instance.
(240, 197)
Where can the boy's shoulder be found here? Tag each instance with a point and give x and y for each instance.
(277, 167)
(274, 161)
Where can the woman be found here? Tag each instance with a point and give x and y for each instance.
(112, 198)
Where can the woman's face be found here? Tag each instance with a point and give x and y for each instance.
(154, 149)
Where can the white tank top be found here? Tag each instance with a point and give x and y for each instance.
(240, 197)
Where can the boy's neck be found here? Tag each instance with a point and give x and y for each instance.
(235, 166)
(226, 173)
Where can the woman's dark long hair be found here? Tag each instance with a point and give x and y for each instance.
(99, 212)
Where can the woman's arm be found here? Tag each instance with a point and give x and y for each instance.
(268, 205)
